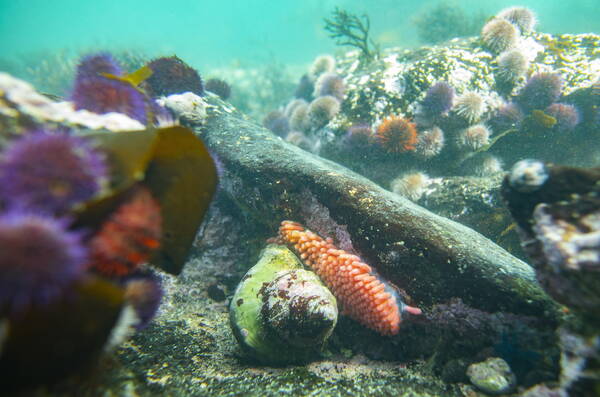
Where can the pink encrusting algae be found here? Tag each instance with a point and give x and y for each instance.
(362, 294)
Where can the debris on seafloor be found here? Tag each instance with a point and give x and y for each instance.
(557, 210)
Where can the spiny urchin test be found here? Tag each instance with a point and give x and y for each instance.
(470, 106)
(50, 171)
(40, 258)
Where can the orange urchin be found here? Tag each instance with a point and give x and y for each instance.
(128, 237)
(358, 289)
(397, 135)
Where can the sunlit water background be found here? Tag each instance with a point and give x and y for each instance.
(209, 34)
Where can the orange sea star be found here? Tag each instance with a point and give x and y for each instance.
(361, 293)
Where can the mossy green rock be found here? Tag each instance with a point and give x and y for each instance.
(280, 312)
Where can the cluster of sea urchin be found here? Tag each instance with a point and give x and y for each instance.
(98, 90)
(504, 31)
(101, 87)
(46, 176)
(317, 101)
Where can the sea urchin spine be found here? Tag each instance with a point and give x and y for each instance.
(39, 259)
(50, 172)
(499, 35)
(397, 135)
(362, 294)
(438, 100)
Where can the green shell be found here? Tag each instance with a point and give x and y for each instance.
(281, 313)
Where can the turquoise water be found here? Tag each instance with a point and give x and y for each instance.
(217, 33)
(424, 187)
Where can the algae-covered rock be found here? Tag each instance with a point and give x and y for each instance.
(492, 376)
(21, 106)
(281, 313)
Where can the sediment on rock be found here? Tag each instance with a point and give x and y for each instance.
(430, 257)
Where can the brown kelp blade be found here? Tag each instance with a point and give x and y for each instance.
(182, 176)
(129, 154)
(46, 344)
(179, 171)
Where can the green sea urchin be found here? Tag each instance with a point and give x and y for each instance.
(470, 106)
(499, 35)
(521, 17)
(512, 65)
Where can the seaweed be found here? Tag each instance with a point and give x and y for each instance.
(352, 30)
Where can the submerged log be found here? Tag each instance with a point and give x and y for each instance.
(432, 258)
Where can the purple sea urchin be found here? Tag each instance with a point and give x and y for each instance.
(104, 95)
(541, 91)
(219, 87)
(50, 172)
(506, 117)
(305, 88)
(430, 142)
(521, 17)
(438, 100)
(322, 110)
(95, 64)
(358, 136)
(277, 123)
(100, 94)
(512, 65)
(299, 118)
(170, 75)
(40, 257)
(161, 116)
(499, 35)
(470, 106)
(292, 105)
(144, 292)
(474, 137)
(567, 116)
(330, 84)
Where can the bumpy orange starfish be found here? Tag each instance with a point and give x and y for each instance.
(362, 294)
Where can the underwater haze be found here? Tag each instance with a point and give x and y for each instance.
(216, 33)
(303, 198)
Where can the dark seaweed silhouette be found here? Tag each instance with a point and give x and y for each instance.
(352, 30)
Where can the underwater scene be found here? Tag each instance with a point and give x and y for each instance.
(315, 198)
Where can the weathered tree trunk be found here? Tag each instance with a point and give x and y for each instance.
(432, 258)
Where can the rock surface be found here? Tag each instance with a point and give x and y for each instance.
(272, 180)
